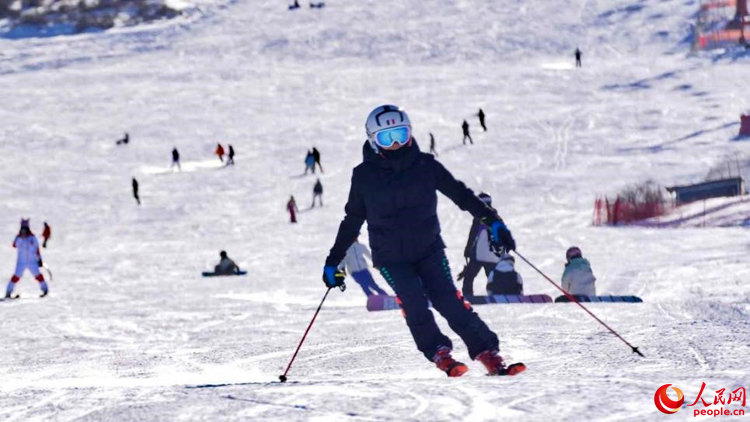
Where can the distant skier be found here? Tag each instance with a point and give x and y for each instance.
(578, 278)
(477, 252)
(395, 191)
(465, 127)
(316, 157)
(135, 191)
(318, 5)
(354, 263)
(481, 119)
(46, 234)
(433, 151)
(309, 162)
(226, 266)
(220, 152)
(230, 157)
(123, 141)
(578, 54)
(176, 159)
(294, 6)
(291, 206)
(317, 193)
(29, 258)
(504, 279)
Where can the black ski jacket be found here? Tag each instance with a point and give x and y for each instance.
(397, 196)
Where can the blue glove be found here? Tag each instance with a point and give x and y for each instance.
(499, 234)
(333, 277)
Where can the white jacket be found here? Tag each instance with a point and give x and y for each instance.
(28, 248)
(483, 249)
(354, 260)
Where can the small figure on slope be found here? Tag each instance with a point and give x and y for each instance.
(433, 151)
(309, 162)
(395, 191)
(291, 206)
(478, 252)
(481, 119)
(29, 258)
(294, 6)
(176, 159)
(354, 263)
(220, 152)
(124, 140)
(316, 157)
(578, 278)
(465, 128)
(230, 156)
(135, 191)
(226, 266)
(317, 193)
(503, 279)
(46, 234)
(578, 54)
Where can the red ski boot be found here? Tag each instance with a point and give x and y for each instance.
(445, 362)
(495, 365)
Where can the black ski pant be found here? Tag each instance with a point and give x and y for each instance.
(429, 279)
(470, 272)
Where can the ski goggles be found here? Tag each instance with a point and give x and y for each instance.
(387, 137)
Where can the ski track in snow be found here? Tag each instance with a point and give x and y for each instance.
(131, 331)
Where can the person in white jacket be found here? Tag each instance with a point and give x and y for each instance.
(29, 258)
(355, 264)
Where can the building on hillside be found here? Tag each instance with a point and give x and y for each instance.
(713, 189)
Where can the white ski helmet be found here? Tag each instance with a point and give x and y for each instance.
(386, 125)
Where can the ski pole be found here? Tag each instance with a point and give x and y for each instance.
(574, 300)
(282, 378)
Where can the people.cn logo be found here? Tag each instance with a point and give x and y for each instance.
(664, 403)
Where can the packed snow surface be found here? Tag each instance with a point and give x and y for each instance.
(131, 331)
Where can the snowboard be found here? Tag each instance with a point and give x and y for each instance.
(213, 274)
(386, 303)
(607, 298)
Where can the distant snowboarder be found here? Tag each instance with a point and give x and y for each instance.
(504, 279)
(226, 266)
(291, 206)
(46, 234)
(230, 157)
(317, 193)
(309, 162)
(395, 191)
(316, 156)
(578, 54)
(220, 152)
(578, 278)
(123, 141)
(318, 5)
(481, 119)
(465, 128)
(433, 151)
(294, 6)
(29, 258)
(135, 191)
(477, 252)
(176, 159)
(354, 263)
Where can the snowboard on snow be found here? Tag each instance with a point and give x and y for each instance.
(386, 303)
(606, 298)
(213, 274)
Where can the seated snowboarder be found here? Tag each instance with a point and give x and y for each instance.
(578, 279)
(503, 279)
(226, 265)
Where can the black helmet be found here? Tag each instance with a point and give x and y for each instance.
(223, 254)
(573, 252)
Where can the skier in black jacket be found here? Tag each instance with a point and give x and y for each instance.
(395, 191)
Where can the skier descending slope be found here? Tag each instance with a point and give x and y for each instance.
(394, 189)
(28, 258)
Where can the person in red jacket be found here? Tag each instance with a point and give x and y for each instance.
(291, 206)
(220, 152)
(29, 258)
(46, 234)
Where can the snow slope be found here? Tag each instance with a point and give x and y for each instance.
(132, 332)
